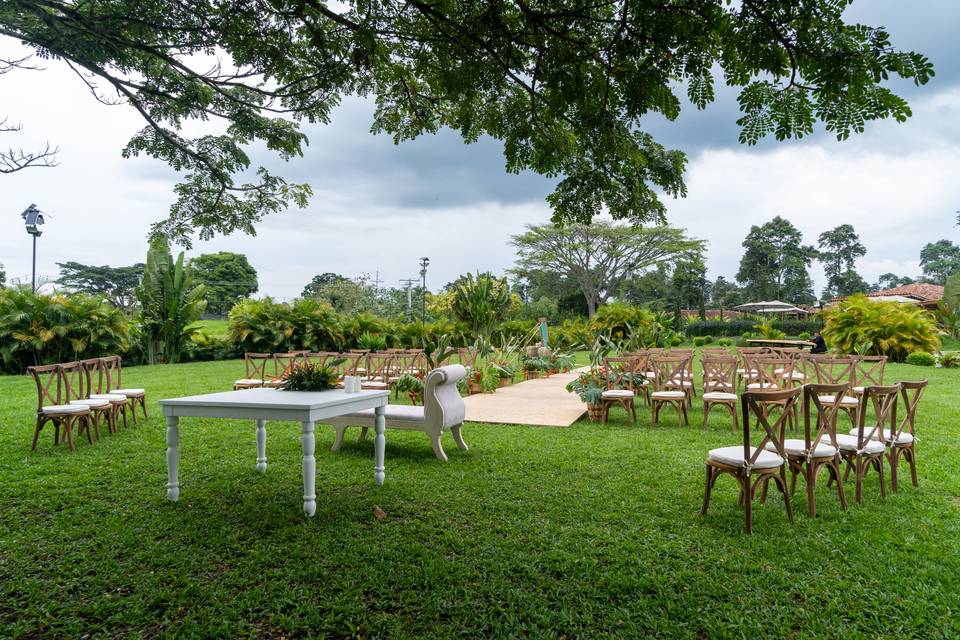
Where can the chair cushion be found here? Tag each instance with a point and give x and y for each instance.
(246, 381)
(719, 395)
(373, 384)
(112, 397)
(64, 409)
(617, 393)
(667, 395)
(754, 386)
(129, 392)
(398, 412)
(733, 456)
(857, 390)
(849, 443)
(796, 447)
(902, 438)
(97, 403)
(845, 401)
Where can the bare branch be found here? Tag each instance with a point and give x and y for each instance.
(17, 159)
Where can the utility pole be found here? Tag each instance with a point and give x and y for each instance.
(409, 282)
(423, 297)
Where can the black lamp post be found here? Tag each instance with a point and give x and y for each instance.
(423, 297)
(32, 219)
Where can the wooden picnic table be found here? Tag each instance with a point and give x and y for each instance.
(781, 343)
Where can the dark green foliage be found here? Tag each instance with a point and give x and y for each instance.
(921, 359)
(940, 259)
(839, 249)
(228, 278)
(481, 303)
(268, 326)
(117, 284)
(949, 360)
(372, 342)
(774, 266)
(617, 321)
(45, 329)
(708, 339)
(310, 377)
(699, 341)
(724, 342)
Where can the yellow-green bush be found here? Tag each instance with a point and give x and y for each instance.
(894, 329)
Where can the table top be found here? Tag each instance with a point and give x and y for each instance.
(801, 343)
(274, 398)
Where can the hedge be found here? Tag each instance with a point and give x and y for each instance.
(739, 326)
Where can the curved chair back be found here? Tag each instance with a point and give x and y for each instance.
(442, 403)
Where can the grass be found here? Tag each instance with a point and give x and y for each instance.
(213, 328)
(591, 531)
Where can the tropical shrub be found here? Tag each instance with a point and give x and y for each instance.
(676, 341)
(169, 304)
(203, 347)
(804, 335)
(724, 342)
(737, 326)
(708, 339)
(768, 331)
(950, 360)
(893, 329)
(571, 333)
(481, 302)
(355, 325)
(699, 341)
(309, 377)
(371, 342)
(921, 359)
(267, 326)
(42, 329)
(618, 321)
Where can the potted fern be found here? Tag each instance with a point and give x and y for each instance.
(309, 377)
(589, 386)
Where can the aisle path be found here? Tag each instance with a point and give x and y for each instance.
(542, 402)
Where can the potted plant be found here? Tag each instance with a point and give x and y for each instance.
(532, 368)
(504, 372)
(309, 377)
(410, 384)
(590, 385)
(564, 361)
(483, 379)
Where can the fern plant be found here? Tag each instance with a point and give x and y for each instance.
(309, 377)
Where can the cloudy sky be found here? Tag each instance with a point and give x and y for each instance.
(379, 207)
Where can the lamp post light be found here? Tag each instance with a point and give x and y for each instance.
(423, 297)
(33, 219)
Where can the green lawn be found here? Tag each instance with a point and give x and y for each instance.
(213, 328)
(586, 532)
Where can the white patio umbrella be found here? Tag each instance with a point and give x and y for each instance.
(770, 306)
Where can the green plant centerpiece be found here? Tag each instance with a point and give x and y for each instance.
(309, 377)
(589, 386)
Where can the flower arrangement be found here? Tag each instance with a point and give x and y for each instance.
(309, 377)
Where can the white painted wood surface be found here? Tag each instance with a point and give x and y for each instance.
(261, 405)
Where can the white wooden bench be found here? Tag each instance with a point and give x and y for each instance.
(442, 408)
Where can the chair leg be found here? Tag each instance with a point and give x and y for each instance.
(68, 431)
(706, 491)
(143, 405)
(911, 454)
(834, 467)
(747, 505)
(883, 488)
(656, 412)
(733, 412)
(893, 457)
(811, 471)
(858, 479)
(706, 410)
(458, 437)
(781, 482)
(36, 433)
(686, 420)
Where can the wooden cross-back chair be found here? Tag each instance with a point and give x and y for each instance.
(668, 386)
(52, 391)
(254, 370)
(354, 363)
(769, 373)
(720, 385)
(816, 451)
(716, 352)
(622, 382)
(864, 447)
(113, 369)
(284, 363)
(77, 376)
(378, 371)
(98, 388)
(903, 440)
(746, 462)
(833, 370)
(468, 356)
(744, 373)
(867, 372)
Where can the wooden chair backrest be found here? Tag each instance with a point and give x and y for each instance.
(771, 373)
(94, 376)
(910, 393)
(884, 402)
(786, 352)
(834, 370)
(319, 358)
(284, 363)
(716, 351)
(468, 356)
(719, 373)
(752, 351)
(751, 403)
(352, 361)
(621, 373)
(74, 380)
(669, 371)
(49, 385)
(255, 365)
(111, 366)
(379, 365)
(869, 371)
(825, 413)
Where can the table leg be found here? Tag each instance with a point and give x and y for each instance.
(261, 446)
(307, 445)
(379, 444)
(173, 458)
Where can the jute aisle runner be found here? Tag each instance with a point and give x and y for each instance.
(542, 402)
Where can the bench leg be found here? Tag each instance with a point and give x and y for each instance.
(458, 437)
(338, 439)
(437, 447)
(363, 434)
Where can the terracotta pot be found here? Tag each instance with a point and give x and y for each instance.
(474, 387)
(530, 375)
(594, 412)
(505, 382)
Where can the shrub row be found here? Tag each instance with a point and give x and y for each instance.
(739, 326)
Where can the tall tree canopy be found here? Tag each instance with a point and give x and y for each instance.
(891, 280)
(599, 256)
(774, 266)
(839, 249)
(318, 282)
(939, 259)
(119, 284)
(227, 277)
(563, 86)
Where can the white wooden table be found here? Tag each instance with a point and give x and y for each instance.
(260, 405)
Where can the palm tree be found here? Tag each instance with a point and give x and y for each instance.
(481, 302)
